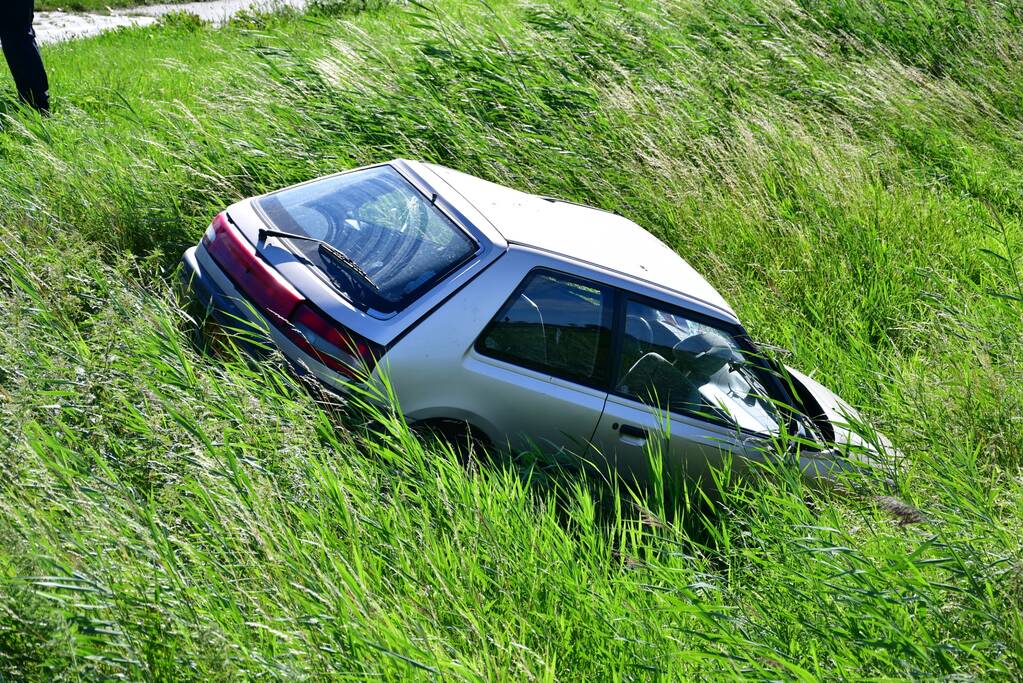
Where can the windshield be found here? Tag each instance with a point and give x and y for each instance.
(382, 223)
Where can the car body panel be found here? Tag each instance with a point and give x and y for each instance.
(232, 310)
(436, 373)
(518, 407)
(849, 426)
(688, 447)
(542, 258)
(585, 234)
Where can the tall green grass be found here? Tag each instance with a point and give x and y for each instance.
(848, 174)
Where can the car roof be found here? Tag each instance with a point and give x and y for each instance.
(582, 233)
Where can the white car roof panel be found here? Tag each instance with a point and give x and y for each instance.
(583, 233)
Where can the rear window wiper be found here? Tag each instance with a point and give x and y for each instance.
(325, 248)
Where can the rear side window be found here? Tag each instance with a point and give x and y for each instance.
(382, 223)
(556, 324)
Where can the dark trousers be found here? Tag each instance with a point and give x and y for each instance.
(19, 44)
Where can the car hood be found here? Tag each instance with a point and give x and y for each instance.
(852, 434)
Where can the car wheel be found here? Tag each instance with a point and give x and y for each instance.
(468, 444)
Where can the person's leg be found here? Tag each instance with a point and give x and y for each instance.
(19, 45)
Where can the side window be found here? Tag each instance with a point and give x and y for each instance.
(687, 366)
(554, 323)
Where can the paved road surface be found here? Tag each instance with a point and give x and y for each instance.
(52, 27)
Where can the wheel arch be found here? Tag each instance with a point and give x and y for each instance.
(475, 424)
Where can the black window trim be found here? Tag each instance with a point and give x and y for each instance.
(607, 316)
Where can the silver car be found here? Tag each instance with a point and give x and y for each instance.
(529, 321)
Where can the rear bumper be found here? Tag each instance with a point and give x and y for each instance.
(219, 301)
(218, 304)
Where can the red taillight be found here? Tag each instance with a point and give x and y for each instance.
(260, 283)
(334, 346)
(338, 349)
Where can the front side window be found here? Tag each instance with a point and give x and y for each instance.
(687, 366)
(555, 324)
(383, 224)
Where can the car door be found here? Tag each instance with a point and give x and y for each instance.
(684, 393)
(542, 364)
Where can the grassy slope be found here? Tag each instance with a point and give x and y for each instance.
(847, 173)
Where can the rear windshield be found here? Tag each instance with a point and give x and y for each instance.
(377, 219)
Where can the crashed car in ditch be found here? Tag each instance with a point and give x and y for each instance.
(529, 322)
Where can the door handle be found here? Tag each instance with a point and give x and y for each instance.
(635, 432)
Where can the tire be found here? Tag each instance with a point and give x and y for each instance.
(468, 444)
